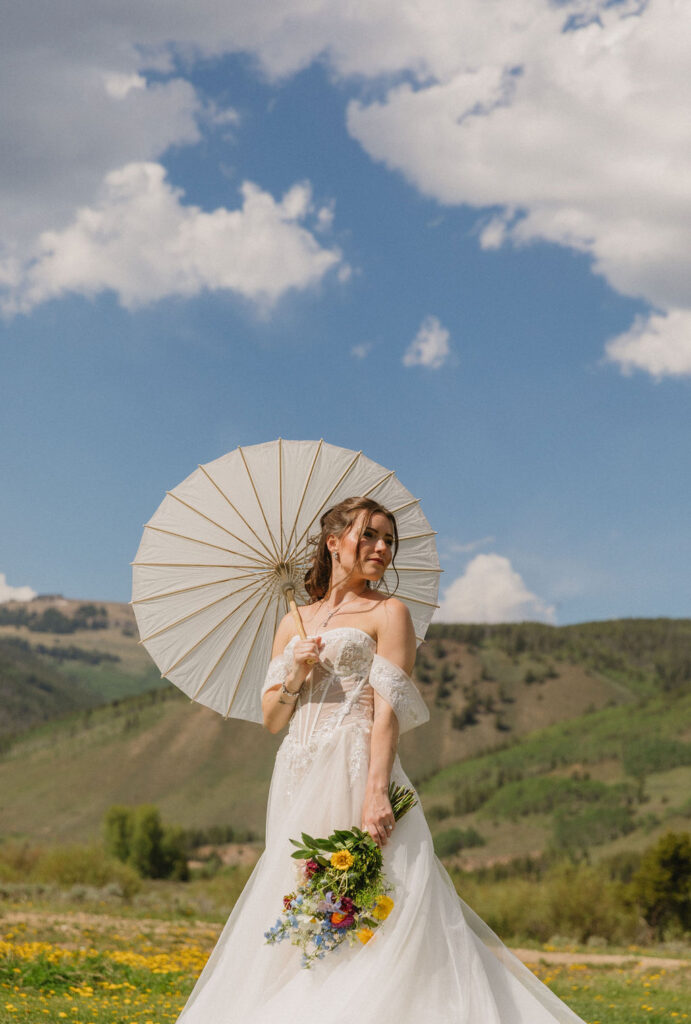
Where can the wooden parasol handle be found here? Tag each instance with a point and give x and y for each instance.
(290, 598)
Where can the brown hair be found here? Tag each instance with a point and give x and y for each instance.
(335, 522)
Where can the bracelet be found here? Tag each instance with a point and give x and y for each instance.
(288, 693)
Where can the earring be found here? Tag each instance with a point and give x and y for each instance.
(336, 556)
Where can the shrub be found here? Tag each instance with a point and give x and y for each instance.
(137, 836)
(67, 866)
(594, 825)
(582, 901)
(576, 901)
(117, 831)
(454, 839)
(662, 884)
(654, 754)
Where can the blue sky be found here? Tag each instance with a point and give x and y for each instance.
(460, 246)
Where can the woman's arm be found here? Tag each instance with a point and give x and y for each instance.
(396, 642)
(278, 707)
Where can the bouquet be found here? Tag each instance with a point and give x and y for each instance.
(341, 893)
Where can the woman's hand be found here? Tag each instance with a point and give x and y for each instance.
(377, 816)
(306, 656)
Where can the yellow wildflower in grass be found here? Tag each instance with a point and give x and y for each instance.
(382, 908)
(342, 860)
(364, 935)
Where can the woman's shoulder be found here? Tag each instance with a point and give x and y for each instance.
(392, 614)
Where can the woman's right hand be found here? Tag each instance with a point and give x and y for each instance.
(306, 655)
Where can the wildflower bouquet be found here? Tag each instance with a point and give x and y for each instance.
(341, 892)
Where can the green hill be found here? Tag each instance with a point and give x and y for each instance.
(58, 656)
(539, 737)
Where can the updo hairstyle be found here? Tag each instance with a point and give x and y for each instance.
(335, 522)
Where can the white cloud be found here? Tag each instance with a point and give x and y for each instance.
(660, 344)
(142, 242)
(568, 136)
(574, 135)
(361, 351)
(8, 593)
(490, 590)
(430, 346)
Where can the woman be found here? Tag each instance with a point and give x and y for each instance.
(346, 694)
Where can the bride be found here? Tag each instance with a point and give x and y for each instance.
(346, 694)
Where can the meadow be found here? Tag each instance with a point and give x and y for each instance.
(553, 759)
(91, 964)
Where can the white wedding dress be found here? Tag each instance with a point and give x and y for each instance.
(433, 961)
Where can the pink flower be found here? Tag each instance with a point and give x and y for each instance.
(312, 868)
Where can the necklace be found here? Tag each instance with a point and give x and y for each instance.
(336, 610)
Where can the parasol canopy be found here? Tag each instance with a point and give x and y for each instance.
(226, 548)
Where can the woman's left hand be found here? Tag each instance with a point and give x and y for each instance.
(377, 816)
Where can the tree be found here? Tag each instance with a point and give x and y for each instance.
(137, 836)
(146, 853)
(117, 829)
(662, 884)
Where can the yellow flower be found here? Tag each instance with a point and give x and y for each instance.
(364, 935)
(382, 908)
(342, 860)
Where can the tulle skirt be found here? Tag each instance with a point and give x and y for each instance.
(433, 960)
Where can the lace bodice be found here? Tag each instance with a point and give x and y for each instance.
(340, 688)
(339, 694)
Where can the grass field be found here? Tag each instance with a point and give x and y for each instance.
(97, 969)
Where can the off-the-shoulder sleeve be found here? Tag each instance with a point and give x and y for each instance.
(398, 690)
(278, 671)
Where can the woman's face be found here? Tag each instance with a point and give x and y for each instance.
(373, 554)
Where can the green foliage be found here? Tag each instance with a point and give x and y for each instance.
(543, 794)
(451, 840)
(574, 900)
(590, 827)
(662, 884)
(117, 831)
(654, 754)
(650, 654)
(215, 835)
(52, 620)
(66, 866)
(137, 836)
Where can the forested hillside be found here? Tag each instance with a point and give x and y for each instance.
(540, 738)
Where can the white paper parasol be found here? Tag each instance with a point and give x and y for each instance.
(227, 547)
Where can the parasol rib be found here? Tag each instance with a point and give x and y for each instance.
(172, 494)
(323, 505)
(207, 544)
(247, 658)
(415, 568)
(196, 586)
(304, 492)
(231, 641)
(236, 510)
(206, 636)
(280, 494)
(408, 504)
(259, 504)
(417, 600)
(224, 597)
(193, 565)
(373, 487)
